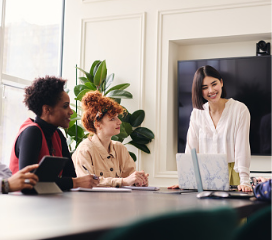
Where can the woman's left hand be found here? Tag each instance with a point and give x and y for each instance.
(245, 188)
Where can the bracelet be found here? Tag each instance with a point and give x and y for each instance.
(5, 186)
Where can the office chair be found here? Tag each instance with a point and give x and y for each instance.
(194, 225)
(258, 226)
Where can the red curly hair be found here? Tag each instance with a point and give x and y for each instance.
(95, 106)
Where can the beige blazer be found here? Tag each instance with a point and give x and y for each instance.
(110, 167)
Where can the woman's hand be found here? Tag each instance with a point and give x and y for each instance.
(87, 181)
(138, 178)
(23, 179)
(174, 187)
(245, 188)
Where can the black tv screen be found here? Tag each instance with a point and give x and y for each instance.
(246, 79)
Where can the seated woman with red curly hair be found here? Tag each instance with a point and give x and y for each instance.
(100, 155)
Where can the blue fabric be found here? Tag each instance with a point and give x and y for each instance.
(263, 191)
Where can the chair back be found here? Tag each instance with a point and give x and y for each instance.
(258, 226)
(194, 225)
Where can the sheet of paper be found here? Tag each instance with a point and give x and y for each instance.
(142, 188)
(101, 189)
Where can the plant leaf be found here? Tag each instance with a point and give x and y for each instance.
(81, 94)
(119, 94)
(142, 147)
(137, 118)
(90, 86)
(123, 134)
(142, 132)
(127, 127)
(79, 88)
(118, 87)
(88, 75)
(94, 67)
(118, 100)
(109, 80)
(83, 79)
(100, 74)
(133, 156)
(125, 116)
(72, 131)
(114, 138)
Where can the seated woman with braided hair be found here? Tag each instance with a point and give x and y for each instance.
(98, 154)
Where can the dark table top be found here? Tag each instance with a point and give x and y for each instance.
(68, 213)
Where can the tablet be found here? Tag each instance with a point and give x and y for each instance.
(50, 168)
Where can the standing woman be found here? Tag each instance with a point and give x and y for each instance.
(220, 125)
(98, 154)
(36, 138)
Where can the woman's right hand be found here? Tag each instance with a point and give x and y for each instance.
(138, 178)
(87, 181)
(174, 187)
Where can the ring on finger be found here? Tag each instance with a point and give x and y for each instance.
(26, 181)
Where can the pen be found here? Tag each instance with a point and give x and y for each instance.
(94, 176)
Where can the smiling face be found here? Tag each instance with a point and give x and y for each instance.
(60, 114)
(212, 89)
(109, 126)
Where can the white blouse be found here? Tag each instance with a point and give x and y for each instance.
(231, 135)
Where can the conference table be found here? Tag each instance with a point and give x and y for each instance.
(70, 215)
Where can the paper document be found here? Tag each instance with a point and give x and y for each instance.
(142, 188)
(101, 189)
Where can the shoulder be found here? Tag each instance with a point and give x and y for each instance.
(237, 106)
(197, 113)
(31, 131)
(85, 145)
(119, 146)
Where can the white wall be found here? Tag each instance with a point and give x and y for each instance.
(142, 41)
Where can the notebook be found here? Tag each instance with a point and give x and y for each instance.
(213, 194)
(213, 169)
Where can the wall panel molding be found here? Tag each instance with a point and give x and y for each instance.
(160, 168)
(141, 17)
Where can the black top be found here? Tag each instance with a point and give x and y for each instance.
(28, 147)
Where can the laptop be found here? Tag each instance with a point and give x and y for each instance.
(213, 194)
(213, 169)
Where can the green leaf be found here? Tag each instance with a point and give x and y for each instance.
(94, 67)
(123, 134)
(109, 80)
(72, 131)
(90, 86)
(100, 74)
(79, 88)
(88, 75)
(81, 94)
(72, 119)
(137, 118)
(83, 79)
(114, 138)
(142, 147)
(142, 133)
(118, 87)
(118, 100)
(133, 156)
(127, 127)
(119, 94)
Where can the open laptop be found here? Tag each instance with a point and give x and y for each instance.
(213, 169)
(213, 194)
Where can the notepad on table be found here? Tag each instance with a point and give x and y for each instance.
(142, 188)
(101, 189)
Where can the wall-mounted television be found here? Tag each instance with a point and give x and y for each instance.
(246, 79)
